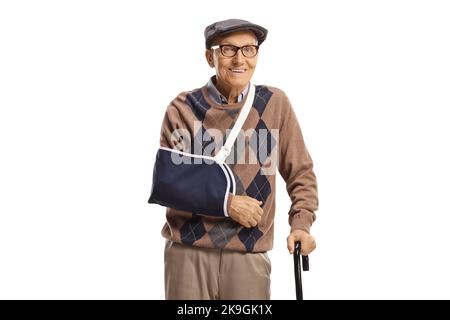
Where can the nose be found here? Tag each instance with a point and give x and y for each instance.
(238, 57)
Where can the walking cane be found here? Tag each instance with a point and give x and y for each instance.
(298, 269)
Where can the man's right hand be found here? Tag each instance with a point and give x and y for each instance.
(245, 210)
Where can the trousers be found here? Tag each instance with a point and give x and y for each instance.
(215, 274)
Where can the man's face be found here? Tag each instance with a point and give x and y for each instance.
(233, 72)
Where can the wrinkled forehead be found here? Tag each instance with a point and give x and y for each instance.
(238, 38)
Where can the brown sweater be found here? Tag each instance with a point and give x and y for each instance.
(251, 162)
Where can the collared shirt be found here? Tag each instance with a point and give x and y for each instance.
(218, 97)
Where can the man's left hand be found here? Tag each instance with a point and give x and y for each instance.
(308, 242)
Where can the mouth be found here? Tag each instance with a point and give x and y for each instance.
(237, 70)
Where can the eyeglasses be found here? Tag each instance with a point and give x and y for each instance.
(228, 50)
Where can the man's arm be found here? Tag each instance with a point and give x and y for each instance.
(296, 167)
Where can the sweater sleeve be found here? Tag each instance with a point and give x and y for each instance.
(173, 129)
(296, 167)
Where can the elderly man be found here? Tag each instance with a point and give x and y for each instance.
(210, 257)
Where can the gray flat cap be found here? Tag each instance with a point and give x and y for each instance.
(220, 28)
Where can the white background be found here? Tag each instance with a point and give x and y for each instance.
(83, 89)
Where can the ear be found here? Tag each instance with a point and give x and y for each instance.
(209, 57)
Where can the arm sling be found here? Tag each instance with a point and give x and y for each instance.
(197, 183)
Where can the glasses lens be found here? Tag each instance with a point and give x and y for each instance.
(249, 51)
(229, 51)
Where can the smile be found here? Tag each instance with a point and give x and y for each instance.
(238, 70)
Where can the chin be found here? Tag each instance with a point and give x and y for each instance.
(239, 82)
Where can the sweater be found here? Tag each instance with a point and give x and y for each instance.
(270, 139)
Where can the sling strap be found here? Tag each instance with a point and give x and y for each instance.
(224, 152)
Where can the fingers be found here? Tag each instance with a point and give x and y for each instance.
(246, 224)
(255, 201)
(258, 208)
(247, 211)
(257, 216)
(254, 222)
(251, 221)
(308, 246)
(259, 211)
(290, 244)
(248, 221)
(255, 212)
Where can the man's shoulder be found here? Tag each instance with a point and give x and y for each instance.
(184, 100)
(181, 96)
(276, 92)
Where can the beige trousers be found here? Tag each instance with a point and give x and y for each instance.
(203, 273)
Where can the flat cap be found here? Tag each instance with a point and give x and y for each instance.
(220, 28)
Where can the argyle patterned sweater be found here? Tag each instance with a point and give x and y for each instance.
(194, 112)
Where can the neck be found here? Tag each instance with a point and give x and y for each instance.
(231, 93)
